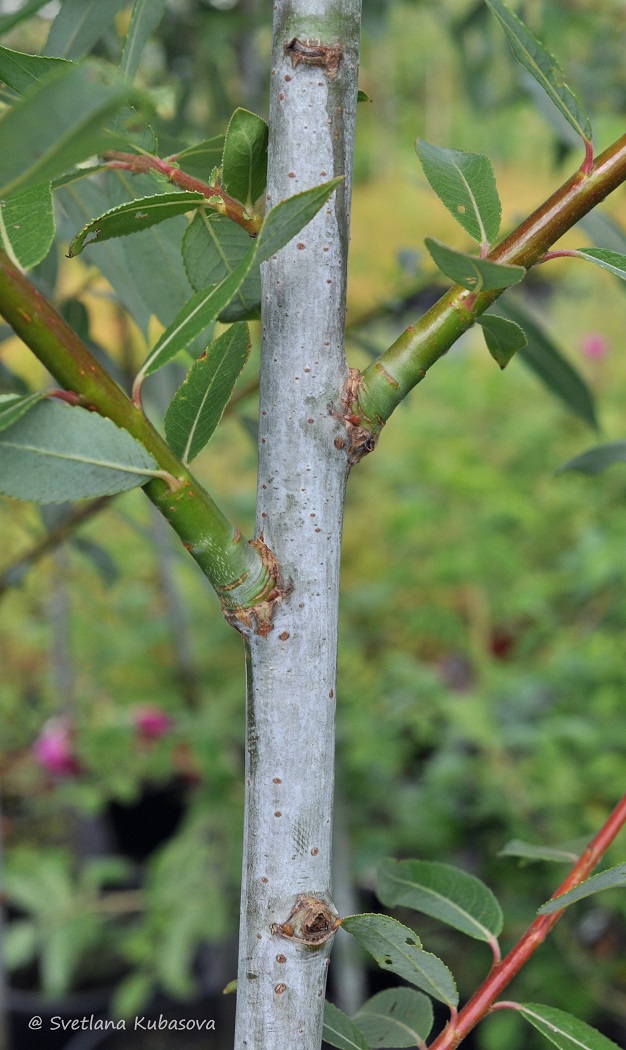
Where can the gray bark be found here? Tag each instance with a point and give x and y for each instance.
(302, 475)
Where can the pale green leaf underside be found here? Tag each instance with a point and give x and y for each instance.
(565, 1031)
(595, 460)
(145, 18)
(14, 406)
(397, 1017)
(465, 184)
(340, 1030)
(615, 262)
(78, 25)
(244, 161)
(22, 72)
(477, 275)
(56, 453)
(503, 337)
(442, 891)
(198, 404)
(135, 216)
(611, 879)
(397, 948)
(566, 853)
(531, 53)
(27, 225)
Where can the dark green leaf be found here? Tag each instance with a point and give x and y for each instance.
(565, 1031)
(22, 72)
(27, 225)
(362, 96)
(465, 183)
(445, 892)
(566, 853)
(395, 947)
(542, 66)
(201, 159)
(55, 453)
(340, 1030)
(198, 405)
(613, 261)
(145, 18)
(397, 1017)
(79, 24)
(212, 247)
(503, 337)
(477, 275)
(244, 162)
(611, 879)
(135, 216)
(595, 460)
(14, 406)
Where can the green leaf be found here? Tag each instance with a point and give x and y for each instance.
(395, 947)
(543, 67)
(201, 159)
(465, 183)
(611, 879)
(608, 260)
(132, 995)
(566, 853)
(244, 161)
(22, 72)
(280, 225)
(27, 225)
(14, 406)
(565, 1031)
(198, 404)
(56, 453)
(59, 124)
(503, 337)
(212, 247)
(546, 361)
(79, 24)
(7, 22)
(145, 18)
(595, 460)
(442, 891)
(397, 1017)
(340, 1030)
(478, 275)
(135, 216)
(362, 96)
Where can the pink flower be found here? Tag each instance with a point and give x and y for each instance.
(594, 346)
(152, 723)
(53, 748)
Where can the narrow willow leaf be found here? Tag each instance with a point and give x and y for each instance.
(546, 361)
(465, 183)
(198, 404)
(13, 406)
(613, 261)
(78, 25)
(362, 96)
(201, 159)
(611, 879)
(443, 891)
(212, 247)
(565, 1031)
(22, 72)
(135, 216)
(340, 1030)
(60, 123)
(543, 67)
(280, 225)
(395, 947)
(503, 337)
(244, 162)
(595, 460)
(30, 8)
(145, 18)
(477, 275)
(397, 1017)
(56, 452)
(27, 225)
(566, 853)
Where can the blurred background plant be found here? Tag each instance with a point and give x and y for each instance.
(481, 664)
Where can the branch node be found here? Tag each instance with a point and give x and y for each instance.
(314, 53)
(312, 921)
(257, 619)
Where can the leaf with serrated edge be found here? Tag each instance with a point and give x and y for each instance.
(397, 948)
(442, 891)
(477, 275)
(244, 161)
(503, 337)
(615, 262)
(14, 406)
(611, 879)
(397, 1017)
(56, 452)
(565, 1031)
(542, 66)
(145, 18)
(135, 216)
(465, 183)
(198, 404)
(21, 72)
(595, 460)
(27, 226)
(340, 1030)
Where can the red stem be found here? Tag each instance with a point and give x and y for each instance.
(502, 973)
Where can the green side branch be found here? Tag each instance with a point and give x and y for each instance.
(370, 398)
(243, 574)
